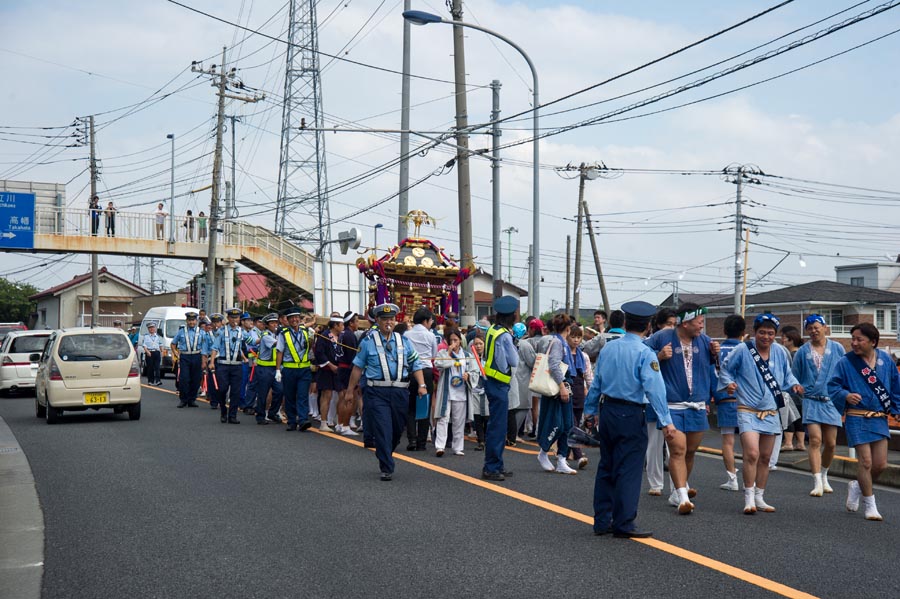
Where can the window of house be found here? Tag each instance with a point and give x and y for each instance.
(879, 319)
(858, 281)
(892, 320)
(834, 318)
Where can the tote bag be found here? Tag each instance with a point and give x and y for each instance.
(541, 382)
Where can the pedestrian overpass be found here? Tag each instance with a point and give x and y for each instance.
(64, 230)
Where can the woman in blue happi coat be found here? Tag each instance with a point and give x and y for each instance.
(758, 419)
(865, 387)
(687, 362)
(813, 366)
(556, 416)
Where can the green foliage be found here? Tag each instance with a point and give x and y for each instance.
(14, 303)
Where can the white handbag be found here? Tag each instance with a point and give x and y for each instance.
(541, 382)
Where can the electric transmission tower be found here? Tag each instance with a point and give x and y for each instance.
(302, 207)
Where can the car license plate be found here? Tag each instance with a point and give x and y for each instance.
(96, 398)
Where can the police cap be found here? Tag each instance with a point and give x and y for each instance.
(386, 311)
(293, 311)
(506, 305)
(270, 318)
(246, 316)
(190, 315)
(638, 313)
(216, 317)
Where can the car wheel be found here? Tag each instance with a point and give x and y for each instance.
(54, 415)
(39, 410)
(134, 411)
(118, 409)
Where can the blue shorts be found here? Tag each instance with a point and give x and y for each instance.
(862, 430)
(749, 422)
(726, 413)
(690, 420)
(820, 412)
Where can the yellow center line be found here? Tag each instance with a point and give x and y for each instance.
(702, 560)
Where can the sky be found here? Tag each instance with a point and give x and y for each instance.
(826, 136)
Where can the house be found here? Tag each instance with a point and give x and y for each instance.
(484, 292)
(876, 275)
(843, 306)
(69, 304)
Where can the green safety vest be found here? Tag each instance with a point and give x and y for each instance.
(489, 345)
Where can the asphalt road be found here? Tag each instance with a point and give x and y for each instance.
(179, 505)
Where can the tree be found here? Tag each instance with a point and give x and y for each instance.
(14, 303)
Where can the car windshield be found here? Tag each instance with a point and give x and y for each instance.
(94, 346)
(28, 344)
(172, 327)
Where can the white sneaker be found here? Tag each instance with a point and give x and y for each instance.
(825, 486)
(871, 509)
(749, 501)
(544, 461)
(817, 490)
(731, 484)
(562, 467)
(773, 468)
(458, 453)
(761, 505)
(582, 463)
(853, 495)
(348, 432)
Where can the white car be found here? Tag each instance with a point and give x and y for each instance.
(87, 369)
(17, 370)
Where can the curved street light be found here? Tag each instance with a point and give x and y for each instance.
(419, 17)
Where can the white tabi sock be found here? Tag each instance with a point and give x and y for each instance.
(817, 485)
(871, 509)
(749, 500)
(825, 486)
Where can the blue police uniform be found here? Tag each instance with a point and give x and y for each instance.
(295, 349)
(626, 377)
(265, 376)
(230, 356)
(151, 345)
(248, 385)
(500, 358)
(387, 363)
(191, 343)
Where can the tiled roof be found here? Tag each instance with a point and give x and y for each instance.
(78, 280)
(253, 287)
(816, 291)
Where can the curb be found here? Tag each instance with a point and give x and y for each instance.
(841, 466)
(22, 525)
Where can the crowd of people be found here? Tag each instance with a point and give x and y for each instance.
(192, 225)
(639, 382)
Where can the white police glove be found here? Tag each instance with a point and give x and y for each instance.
(277, 376)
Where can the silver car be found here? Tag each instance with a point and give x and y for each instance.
(87, 369)
(17, 369)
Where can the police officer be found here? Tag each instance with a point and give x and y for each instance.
(500, 357)
(627, 374)
(251, 348)
(293, 369)
(151, 345)
(191, 344)
(265, 373)
(215, 321)
(387, 362)
(227, 356)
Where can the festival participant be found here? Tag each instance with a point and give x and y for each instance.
(500, 357)
(757, 372)
(348, 399)
(478, 402)
(726, 403)
(266, 363)
(192, 346)
(664, 319)
(865, 388)
(556, 417)
(327, 351)
(792, 341)
(519, 397)
(536, 330)
(451, 396)
(687, 360)
(425, 343)
(227, 357)
(626, 378)
(582, 376)
(251, 349)
(813, 366)
(292, 352)
(388, 364)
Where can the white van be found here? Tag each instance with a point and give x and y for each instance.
(168, 320)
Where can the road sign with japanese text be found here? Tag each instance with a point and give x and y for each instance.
(16, 220)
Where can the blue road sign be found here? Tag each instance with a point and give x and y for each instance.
(16, 220)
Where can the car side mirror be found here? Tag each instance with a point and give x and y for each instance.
(34, 358)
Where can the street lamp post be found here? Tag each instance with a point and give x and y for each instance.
(376, 227)
(172, 192)
(418, 17)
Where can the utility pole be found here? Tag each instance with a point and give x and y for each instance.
(403, 203)
(233, 196)
(95, 268)
(509, 231)
(224, 76)
(462, 165)
(531, 279)
(152, 276)
(137, 271)
(590, 228)
(738, 228)
(569, 274)
(496, 268)
(579, 234)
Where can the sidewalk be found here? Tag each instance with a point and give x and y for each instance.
(21, 524)
(843, 465)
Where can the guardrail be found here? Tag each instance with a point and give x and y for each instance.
(51, 220)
